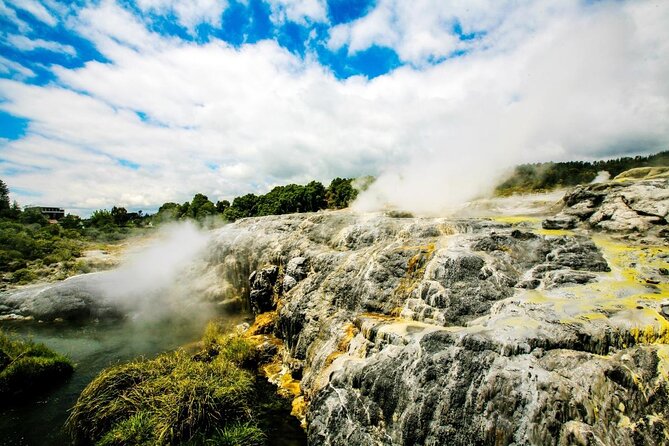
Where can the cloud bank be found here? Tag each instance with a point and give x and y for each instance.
(481, 86)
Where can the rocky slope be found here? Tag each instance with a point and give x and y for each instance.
(437, 331)
(492, 331)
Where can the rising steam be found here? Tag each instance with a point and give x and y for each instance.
(588, 86)
(165, 278)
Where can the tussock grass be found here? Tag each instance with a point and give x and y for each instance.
(175, 398)
(28, 368)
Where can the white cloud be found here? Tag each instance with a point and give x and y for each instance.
(298, 11)
(226, 121)
(10, 14)
(189, 13)
(36, 9)
(12, 68)
(421, 31)
(24, 43)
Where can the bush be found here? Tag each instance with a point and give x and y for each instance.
(172, 399)
(28, 368)
(23, 275)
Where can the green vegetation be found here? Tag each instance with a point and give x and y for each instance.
(32, 247)
(541, 177)
(287, 199)
(27, 368)
(207, 398)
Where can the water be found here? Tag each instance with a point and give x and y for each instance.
(93, 347)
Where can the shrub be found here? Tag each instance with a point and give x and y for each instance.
(172, 399)
(29, 368)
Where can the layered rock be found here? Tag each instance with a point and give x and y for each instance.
(624, 204)
(436, 331)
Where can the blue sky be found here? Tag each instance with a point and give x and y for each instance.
(138, 102)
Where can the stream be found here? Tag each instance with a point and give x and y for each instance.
(93, 347)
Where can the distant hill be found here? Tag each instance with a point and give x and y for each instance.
(540, 177)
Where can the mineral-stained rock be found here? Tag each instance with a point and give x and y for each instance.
(620, 205)
(447, 346)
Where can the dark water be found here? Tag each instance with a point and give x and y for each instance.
(93, 347)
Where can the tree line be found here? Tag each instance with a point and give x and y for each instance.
(288, 199)
(547, 176)
(29, 242)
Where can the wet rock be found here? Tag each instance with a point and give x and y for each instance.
(558, 278)
(417, 331)
(262, 296)
(296, 270)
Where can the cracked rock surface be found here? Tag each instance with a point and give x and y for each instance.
(465, 331)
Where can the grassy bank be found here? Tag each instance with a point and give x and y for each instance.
(208, 397)
(28, 368)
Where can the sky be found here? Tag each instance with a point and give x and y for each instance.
(139, 102)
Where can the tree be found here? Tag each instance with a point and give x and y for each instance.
(242, 207)
(34, 216)
(221, 206)
(315, 196)
(4, 199)
(201, 207)
(340, 193)
(71, 222)
(120, 216)
(101, 218)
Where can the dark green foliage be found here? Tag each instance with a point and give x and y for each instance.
(173, 399)
(4, 199)
(101, 218)
(27, 368)
(341, 193)
(33, 216)
(71, 221)
(547, 176)
(119, 216)
(201, 207)
(292, 198)
(221, 206)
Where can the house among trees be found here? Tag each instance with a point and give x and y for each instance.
(49, 212)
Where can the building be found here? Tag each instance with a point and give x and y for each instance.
(50, 212)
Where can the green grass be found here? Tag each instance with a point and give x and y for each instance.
(28, 368)
(176, 398)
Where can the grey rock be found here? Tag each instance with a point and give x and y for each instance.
(262, 292)
(620, 206)
(560, 221)
(77, 298)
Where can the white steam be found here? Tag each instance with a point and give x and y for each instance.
(601, 177)
(591, 84)
(162, 279)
